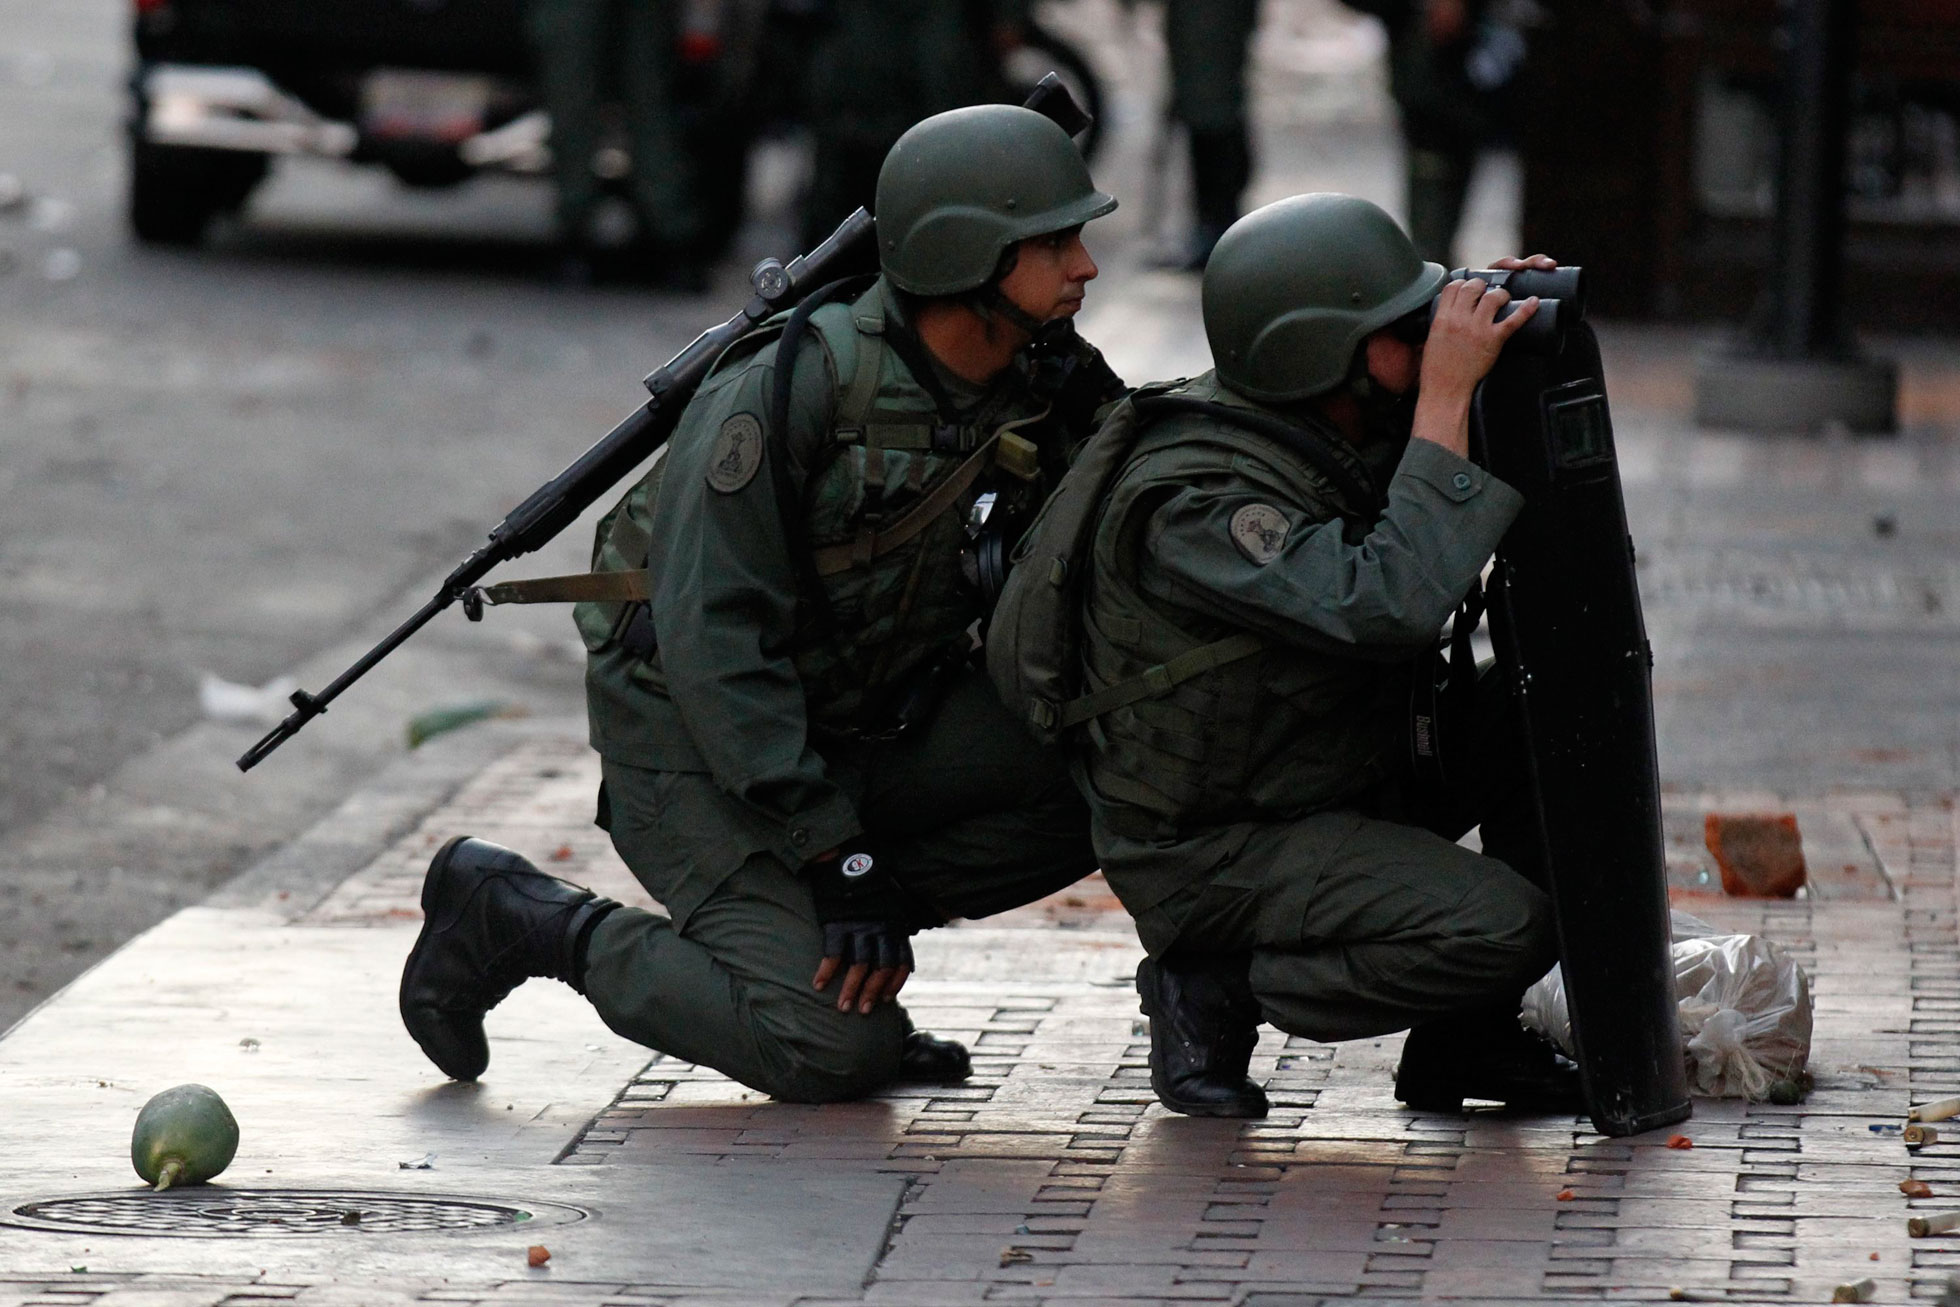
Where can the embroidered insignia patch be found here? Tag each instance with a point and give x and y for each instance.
(736, 455)
(1259, 530)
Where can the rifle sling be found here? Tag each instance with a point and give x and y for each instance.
(578, 588)
(632, 587)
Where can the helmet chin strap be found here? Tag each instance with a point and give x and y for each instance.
(990, 299)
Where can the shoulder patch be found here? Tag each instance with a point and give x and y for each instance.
(1259, 530)
(737, 453)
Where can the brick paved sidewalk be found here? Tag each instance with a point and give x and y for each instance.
(1053, 1176)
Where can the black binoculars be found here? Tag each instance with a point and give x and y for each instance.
(1561, 302)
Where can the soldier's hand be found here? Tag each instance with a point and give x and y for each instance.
(875, 958)
(1465, 337)
(866, 928)
(1535, 262)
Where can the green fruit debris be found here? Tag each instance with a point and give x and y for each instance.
(424, 727)
(184, 1135)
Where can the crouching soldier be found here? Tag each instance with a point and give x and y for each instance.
(800, 762)
(1272, 563)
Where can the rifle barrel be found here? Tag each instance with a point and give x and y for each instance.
(308, 706)
(557, 504)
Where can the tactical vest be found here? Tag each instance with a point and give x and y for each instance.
(886, 607)
(1268, 737)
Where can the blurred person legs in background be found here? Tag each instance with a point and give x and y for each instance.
(590, 51)
(879, 66)
(1451, 66)
(1210, 42)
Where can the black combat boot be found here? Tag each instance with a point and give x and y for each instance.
(1485, 1054)
(928, 1059)
(1204, 1022)
(491, 922)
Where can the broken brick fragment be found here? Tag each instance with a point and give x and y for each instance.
(1760, 855)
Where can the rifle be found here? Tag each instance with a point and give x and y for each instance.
(557, 504)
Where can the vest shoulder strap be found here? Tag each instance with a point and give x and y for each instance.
(1356, 489)
(861, 392)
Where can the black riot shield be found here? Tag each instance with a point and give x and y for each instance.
(1565, 619)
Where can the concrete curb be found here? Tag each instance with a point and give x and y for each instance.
(294, 878)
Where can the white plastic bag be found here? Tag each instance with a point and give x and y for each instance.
(1744, 1004)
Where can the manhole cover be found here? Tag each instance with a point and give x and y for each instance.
(279, 1213)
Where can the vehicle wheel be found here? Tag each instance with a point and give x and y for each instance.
(174, 192)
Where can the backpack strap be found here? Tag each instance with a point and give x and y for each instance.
(1150, 683)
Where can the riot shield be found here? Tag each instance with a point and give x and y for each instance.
(1565, 618)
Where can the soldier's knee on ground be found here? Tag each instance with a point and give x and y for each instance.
(816, 1054)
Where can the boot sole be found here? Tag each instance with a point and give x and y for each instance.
(1224, 1111)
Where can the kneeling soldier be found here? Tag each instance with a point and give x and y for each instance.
(1308, 507)
(800, 763)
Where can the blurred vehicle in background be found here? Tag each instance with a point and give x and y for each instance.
(433, 91)
(438, 91)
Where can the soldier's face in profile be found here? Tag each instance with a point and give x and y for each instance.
(1393, 363)
(1050, 274)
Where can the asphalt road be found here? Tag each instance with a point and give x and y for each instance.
(230, 459)
(250, 459)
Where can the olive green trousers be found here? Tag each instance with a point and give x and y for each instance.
(1370, 919)
(587, 50)
(971, 814)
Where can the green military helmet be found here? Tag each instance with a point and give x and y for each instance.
(1294, 288)
(960, 187)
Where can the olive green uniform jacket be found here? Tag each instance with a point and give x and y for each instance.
(1240, 809)
(748, 739)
